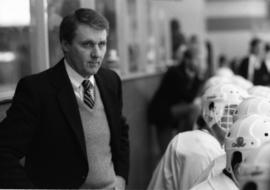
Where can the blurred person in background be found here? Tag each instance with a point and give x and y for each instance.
(189, 153)
(179, 54)
(262, 74)
(67, 121)
(209, 58)
(253, 60)
(234, 64)
(175, 105)
(178, 39)
(197, 45)
(223, 67)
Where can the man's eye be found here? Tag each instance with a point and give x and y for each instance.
(102, 44)
(87, 44)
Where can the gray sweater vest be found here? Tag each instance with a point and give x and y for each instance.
(101, 173)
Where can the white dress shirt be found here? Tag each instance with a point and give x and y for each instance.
(76, 81)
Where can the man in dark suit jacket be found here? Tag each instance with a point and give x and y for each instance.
(262, 74)
(252, 62)
(71, 136)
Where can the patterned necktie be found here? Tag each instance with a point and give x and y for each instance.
(87, 97)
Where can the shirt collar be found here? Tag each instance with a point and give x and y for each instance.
(253, 58)
(75, 78)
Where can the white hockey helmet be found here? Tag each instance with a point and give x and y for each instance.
(241, 82)
(255, 172)
(260, 91)
(219, 104)
(244, 136)
(253, 105)
(224, 72)
(215, 80)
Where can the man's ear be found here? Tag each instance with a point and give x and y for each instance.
(65, 45)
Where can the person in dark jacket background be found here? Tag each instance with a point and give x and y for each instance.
(176, 104)
(262, 74)
(252, 61)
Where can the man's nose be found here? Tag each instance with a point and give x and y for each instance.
(95, 52)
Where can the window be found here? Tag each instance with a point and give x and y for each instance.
(15, 60)
(30, 43)
(56, 10)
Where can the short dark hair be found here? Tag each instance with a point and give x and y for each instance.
(267, 47)
(175, 25)
(254, 42)
(189, 54)
(85, 16)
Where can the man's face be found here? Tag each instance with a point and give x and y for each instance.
(86, 51)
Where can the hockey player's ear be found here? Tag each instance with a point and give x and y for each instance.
(236, 161)
(250, 186)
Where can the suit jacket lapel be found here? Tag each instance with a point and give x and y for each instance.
(68, 102)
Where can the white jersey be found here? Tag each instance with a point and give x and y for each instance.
(219, 182)
(214, 168)
(187, 155)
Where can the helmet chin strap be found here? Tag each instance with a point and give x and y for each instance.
(235, 180)
(231, 176)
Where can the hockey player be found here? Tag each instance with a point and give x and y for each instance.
(249, 106)
(260, 91)
(245, 135)
(241, 82)
(189, 153)
(254, 173)
(215, 80)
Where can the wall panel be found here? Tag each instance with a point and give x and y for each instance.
(144, 153)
